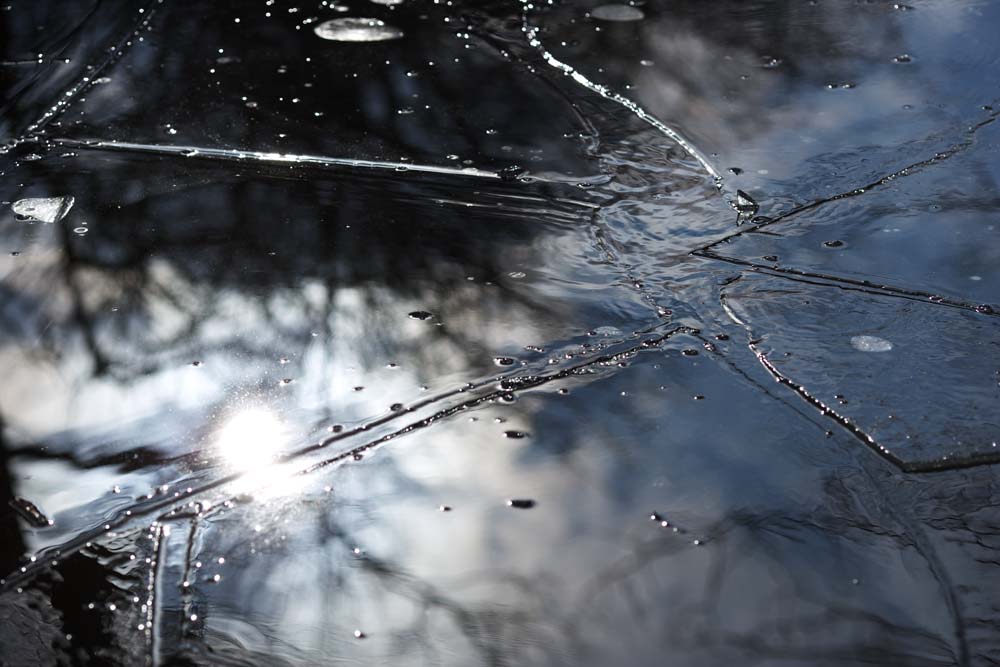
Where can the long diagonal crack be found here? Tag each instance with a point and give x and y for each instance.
(496, 388)
(710, 251)
(847, 424)
(852, 283)
(882, 181)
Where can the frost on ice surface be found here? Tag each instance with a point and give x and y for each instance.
(44, 209)
(870, 344)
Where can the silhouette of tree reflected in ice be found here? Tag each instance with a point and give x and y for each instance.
(215, 386)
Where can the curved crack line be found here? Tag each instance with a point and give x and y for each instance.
(708, 251)
(600, 231)
(903, 172)
(939, 465)
(531, 34)
(164, 507)
(925, 466)
(853, 284)
(725, 360)
(941, 156)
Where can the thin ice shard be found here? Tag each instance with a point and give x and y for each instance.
(30, 512)
(44, 209)
(745, 206)
(745, 203)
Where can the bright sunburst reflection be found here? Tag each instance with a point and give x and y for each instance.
(251, 439)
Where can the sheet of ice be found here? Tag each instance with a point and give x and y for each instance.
(43, 209)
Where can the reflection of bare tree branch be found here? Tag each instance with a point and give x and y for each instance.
(704, 628)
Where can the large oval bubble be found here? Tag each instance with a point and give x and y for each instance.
(617, 13)
(354, 29)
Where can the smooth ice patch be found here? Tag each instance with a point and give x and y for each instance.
(43, 209)
(354, 29)
(870, 344)
(617, 13)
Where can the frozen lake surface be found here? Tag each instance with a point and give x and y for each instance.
(405, 332)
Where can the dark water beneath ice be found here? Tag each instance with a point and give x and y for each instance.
(432, 335)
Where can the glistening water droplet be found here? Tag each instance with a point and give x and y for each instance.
(511, 173)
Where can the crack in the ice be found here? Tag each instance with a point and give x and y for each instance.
(531, 34)
(600, 232)
(159, 533)
(505, 386)
(884, 180)
(708, 252)
(853, 284)
(938, 465)
(729, 363)
(229, 155)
